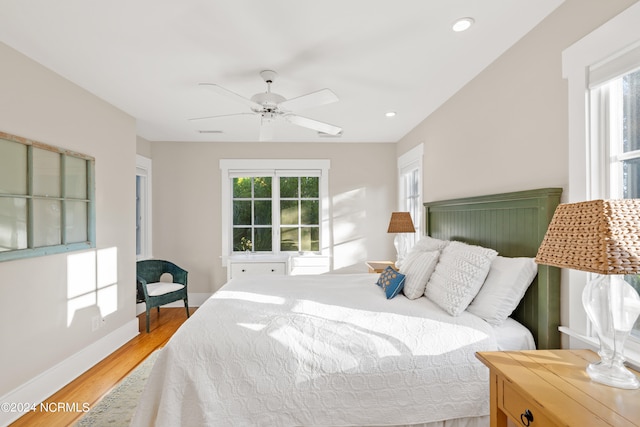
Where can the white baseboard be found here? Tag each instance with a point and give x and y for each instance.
(44, 385)
(195, 300)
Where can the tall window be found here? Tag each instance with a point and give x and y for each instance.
(410, 189)
(616, 133)
(274, 210)
(46, 199)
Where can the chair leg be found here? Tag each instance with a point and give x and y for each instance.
(186, 306)
(148, 315)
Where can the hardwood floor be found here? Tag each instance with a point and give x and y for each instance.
(94, 384)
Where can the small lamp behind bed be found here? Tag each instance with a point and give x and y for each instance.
(400, 224)
(601, 236)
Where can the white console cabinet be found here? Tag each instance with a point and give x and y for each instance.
(254, 264)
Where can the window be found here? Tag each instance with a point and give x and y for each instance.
(143, 208)
(46, 199)
(297, 200)
(274, 206)
(607, 53)
(300, 213)
(615, 110)
(410, 189)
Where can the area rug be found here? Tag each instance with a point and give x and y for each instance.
(118, 406)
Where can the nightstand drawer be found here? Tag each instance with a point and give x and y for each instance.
(518, 408)
(253, 268)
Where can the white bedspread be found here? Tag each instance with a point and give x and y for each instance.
(325, 350)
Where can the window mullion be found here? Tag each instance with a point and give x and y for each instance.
(30, 213)
(253, 214)
(299, 214)
(275, 215)
(63, 201)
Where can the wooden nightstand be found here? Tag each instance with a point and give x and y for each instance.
(549, 388)
(379, 266)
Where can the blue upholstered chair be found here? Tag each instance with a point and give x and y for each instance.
(156, 293)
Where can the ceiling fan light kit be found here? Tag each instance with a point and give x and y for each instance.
(270, 106)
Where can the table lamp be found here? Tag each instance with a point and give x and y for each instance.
(400, 224)
(601, 236)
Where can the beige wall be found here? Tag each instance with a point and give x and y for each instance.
(507, 130)
(42, 106)
(143, 147)
(187, 213)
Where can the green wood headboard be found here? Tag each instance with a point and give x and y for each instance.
(514, 225)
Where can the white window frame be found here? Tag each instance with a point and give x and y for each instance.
(144, 220)
(580, 64)
(291, 167)
(411, 162)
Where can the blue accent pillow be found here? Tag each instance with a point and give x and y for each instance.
(391, 281)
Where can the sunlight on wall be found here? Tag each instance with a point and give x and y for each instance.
(92, 280)
(349, 228)
(107, 280)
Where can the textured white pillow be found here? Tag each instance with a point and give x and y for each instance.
(417, 269)
(506, 284)
(458, 276)
(428, 244)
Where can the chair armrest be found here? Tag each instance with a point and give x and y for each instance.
(179, 275)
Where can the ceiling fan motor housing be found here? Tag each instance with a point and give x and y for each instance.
(268, 100)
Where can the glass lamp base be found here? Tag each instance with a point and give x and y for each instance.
(401, 247)
(613, 307)
(614, 375)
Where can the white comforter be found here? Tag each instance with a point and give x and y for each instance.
(325, 350)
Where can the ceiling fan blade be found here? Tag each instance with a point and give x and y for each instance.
(224, 115)
(310, 100)
(267, 129)
(313, 124)
(230, 94)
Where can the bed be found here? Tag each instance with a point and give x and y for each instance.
(331, 350)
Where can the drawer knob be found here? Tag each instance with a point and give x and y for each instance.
(243, 270)
(526, 417)
(273, 269)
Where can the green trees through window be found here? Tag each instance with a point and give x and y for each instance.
(287, 213)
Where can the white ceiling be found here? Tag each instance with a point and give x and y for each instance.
(146, 57)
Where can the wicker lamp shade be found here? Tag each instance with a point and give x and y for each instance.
(599, 236)
(401, 223)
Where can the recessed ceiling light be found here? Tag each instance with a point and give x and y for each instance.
(390, 114)
(462, 24)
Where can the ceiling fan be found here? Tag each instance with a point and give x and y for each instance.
(270, 106)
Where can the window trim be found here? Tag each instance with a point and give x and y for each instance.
(231, 167)
(144, 170)
(63, 247)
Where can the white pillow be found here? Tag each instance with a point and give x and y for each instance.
(458, 276)
(506, 284)
(428, 244)
(417, 269)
